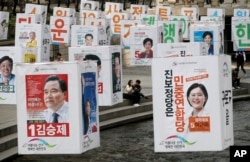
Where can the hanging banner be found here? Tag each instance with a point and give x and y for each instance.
(216, 12)
(87, 36)
(8, 57)
(111, 8)
(89, 5)
(64, 12)
(60, 28)
(84, 14)
(213, 19)
(37, 9)
(4, 20)
(29, 35)
(185, 20)
(172, 31)
(210, 35)
(109, 65)
(241, 35)
(22, 18)
(164, 12)
(180, 49)
(241, 12)
(192, 103)
(105, 23)
(57, 108)
(34, 39)
(143, 43)
(126, 30)
(115, 22)
(149, 19)
(192, 12)
(137, 10)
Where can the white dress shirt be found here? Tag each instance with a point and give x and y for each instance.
(63, 113)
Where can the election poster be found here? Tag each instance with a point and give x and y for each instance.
(192, 103)
(186, 22)
(180, 49)
(37, 9)
(60, 28)
(34, 39)
(9, 56)
(111, 7)
(4, 20)
(211, 35)
(87, 36)
(22, 18)
(51, 108)
(172, 31)
(143, 45)
(109, 65)
(240, 34)
(164, 12)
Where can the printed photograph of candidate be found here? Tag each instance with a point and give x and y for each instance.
(207, 38)
(6, 67)
(99, 63)
(116, 72)
(55, 92)
(89, 102)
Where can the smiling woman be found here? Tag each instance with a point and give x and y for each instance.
(197, 98)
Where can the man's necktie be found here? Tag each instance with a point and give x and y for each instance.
(55, 118)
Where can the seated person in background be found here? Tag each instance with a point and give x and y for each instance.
(58, 57)
(127, 94)
(235, 79)
(138, 86)
(132, 94)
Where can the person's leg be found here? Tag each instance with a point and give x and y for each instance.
(142, 95)
(234, 82)
(242, 68)
(238, 66)
(126, 96)
(136, 98)
(238, 82)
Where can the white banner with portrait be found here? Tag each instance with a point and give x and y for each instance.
(109, 65)
(9, 55)
(88, 35)
(211, 35)
(35, 41)
(143, 43)
(57, 107)
(192, 103)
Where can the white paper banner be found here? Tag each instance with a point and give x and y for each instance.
(192, 103)
(57, 108)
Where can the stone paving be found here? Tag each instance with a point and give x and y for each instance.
(135, 143)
